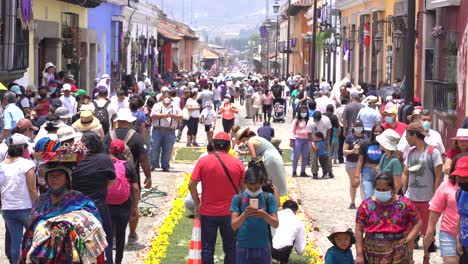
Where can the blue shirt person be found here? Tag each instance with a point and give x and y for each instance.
(251, 217)
(11, 115)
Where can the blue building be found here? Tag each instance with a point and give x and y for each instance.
(107, 21)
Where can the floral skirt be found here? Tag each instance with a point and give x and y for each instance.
(385, 250)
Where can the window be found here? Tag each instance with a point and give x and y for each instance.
(21, 47)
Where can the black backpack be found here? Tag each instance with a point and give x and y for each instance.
(102, 115)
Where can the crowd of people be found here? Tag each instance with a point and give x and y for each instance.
(397, 162)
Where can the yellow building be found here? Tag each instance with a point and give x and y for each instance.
(52, 19)
(383, 22)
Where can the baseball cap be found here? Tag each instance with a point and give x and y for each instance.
(66, 87)
(417, 127)
(461, 167)
(391, 110)
(24, 124)
(19, 139)
(31, 87)
(16, 89)
(117, 146)
(56, 103)
(222, 136)
(63, 112)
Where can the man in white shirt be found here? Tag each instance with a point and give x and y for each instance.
(322, 102)
(290, 233)
(67, 100)
(325, 87)
(120, 101)
(318, 123)
(433, 138)
(147, 81)
(369, 115)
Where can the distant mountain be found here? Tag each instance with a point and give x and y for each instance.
(217, 16)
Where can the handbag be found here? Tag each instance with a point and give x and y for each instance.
(185, 114)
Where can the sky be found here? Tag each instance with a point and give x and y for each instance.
(217, 15)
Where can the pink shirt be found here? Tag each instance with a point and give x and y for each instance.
(267, 99)
(299, 131)
(444, 202)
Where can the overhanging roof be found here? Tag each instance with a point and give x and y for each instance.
(87, 4)
(208, 54)
(168, 34)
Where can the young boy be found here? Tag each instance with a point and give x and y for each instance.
(252, 216)
(208, 117)
(320, 146)
(342, 238)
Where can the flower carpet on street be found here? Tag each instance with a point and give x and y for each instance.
(170, 216)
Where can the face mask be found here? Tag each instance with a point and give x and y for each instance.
(253, 194)
(383, 196)
(209, 108)
(167, 100)
(358, 129)
(463, 186)
(53, 89)
(389, 119)
(58, 191)
(43, 96)
(426, 125)
(303, 115)
(226, 101)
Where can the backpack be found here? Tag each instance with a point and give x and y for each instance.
(127, 152)
(119, 192)
(102, 115)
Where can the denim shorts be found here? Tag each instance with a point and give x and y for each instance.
(448, 244)
(350, 165)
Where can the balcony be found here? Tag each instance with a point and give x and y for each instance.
(87, 4)
(433, 4)
(444, 96)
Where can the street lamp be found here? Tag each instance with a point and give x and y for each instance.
(338, 39)
(378, 39)
(276, 7)
(397, 38)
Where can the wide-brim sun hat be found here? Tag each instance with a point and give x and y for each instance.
(124, 114)
(462, 134)
(86, 122)
(66, 133)
(389, 139)
(242, 132)
(48, 65)
(341, 228)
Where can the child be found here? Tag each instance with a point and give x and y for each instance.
(257, 102)
(208, 118)
(252, 212)
(342, 238)
(320, 146)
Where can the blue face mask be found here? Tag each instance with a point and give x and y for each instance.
(426, 125)
(253, 194)
(383, 196)
(303, 115)
(57, 191)
(389, 119)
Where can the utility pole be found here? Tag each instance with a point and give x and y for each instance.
(314, 44)
(288, 44)
(410, 40)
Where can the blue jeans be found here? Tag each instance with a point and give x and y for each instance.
(162, 143)
(253, 255)
(301, 148)
(367, 182)
(334, 149)
(209, 232)
(16, 220)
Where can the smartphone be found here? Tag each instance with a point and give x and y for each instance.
(253, 202)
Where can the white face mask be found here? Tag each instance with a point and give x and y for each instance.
(167, 100)
(253, 194)
(226, 101)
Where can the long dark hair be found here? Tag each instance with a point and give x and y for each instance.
(373, 136)
(92, 142)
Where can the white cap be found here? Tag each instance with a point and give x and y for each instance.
(105, 76)
(66, 87)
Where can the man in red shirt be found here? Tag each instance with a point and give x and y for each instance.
(390, 116)
(218, 189)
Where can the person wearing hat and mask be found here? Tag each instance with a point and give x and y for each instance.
(390, 160)
(422, 174)
(68, 101)
(221, 177)
(50, 127)
(88, 122)
(64, 115)
(11, 114)
(461, 172)
(18, 90)
(390, 117)
(18, 190)
(68, 135)
(290, 233)
(165, 117)
(42, 104)
(58, 201)
(433, 137)
(139, 150)
(27, 103)
(260, 147)
(460, 145)
(208, 118)
(350, 113)
(342, 238)
(369, 115)
(385, 224)
(48, 74)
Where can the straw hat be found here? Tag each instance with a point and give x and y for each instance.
(242, 132)
(462, 134)
(389, 139)
(86, 122)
